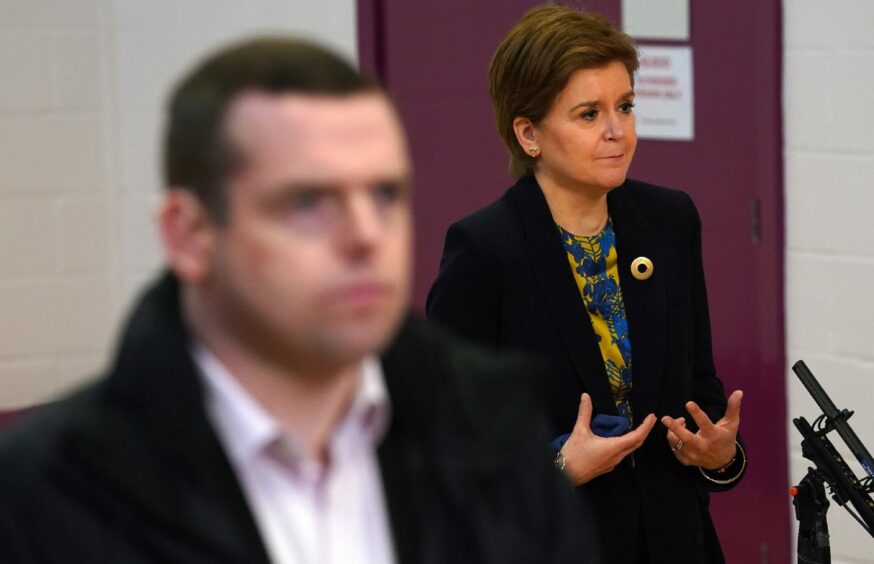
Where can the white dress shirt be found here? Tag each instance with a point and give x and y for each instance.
(307, 512)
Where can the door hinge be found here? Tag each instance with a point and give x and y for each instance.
(755, 220)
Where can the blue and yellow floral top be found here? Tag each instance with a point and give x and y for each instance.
(594, 263)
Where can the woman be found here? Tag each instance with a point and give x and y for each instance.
(602, 276)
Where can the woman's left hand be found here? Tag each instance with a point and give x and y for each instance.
(713, 446)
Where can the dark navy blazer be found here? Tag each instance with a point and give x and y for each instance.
(505, 281)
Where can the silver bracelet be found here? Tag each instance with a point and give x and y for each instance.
(733, 478)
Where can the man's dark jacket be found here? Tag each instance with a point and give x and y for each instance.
(505, 282)
(129, 470)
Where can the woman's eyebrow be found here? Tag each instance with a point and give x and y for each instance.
(595, 103)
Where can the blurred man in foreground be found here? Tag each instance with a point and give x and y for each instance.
(270, 399)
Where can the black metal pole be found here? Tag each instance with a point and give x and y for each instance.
(811, 506)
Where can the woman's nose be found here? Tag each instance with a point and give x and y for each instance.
(614, 128)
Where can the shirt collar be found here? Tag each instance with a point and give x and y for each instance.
(371, 408)
(247, 429)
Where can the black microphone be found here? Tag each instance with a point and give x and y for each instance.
(834, 417)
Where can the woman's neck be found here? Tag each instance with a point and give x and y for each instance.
(580, 211)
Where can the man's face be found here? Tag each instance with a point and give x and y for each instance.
(313, 263)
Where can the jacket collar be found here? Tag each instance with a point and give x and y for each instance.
(644, 300)
(444, 446)
(148, 439)
(155, 380)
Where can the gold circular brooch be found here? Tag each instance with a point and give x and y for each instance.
(641, 268)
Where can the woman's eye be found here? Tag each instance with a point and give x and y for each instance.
(627, 107)
(589, 115)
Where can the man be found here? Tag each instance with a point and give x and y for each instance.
(269, 401)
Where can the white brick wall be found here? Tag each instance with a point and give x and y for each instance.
(82, 84)
(829, 156)
(56, 261)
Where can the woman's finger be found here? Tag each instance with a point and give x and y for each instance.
(584, 415)
(701, 419)
(677, 428)
(632, 440)
(732, 414)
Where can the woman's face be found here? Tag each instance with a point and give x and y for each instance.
(587, 139)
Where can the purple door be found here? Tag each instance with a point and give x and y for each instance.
(433, 56)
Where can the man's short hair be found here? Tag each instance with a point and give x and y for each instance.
(197, 157)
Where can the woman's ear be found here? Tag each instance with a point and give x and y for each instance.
(188, 235)
(526, 135)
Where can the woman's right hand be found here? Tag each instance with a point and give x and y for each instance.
(587, 455)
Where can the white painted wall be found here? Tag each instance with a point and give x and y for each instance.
(82, 84)
(829, 155)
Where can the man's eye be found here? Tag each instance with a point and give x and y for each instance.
(389, 193)
(304, 200)
(626, 107)
(310, 210)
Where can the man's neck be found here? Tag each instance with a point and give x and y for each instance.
(308, 407)
(307, 401)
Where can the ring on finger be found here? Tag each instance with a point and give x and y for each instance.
(677, 446)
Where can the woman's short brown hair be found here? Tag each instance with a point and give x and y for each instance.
(535, 60)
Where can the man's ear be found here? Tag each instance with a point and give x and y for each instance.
(188, 235)
(526, 133)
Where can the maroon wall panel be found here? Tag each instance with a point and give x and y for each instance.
(733, 166)
(433, 56)
(7, 417)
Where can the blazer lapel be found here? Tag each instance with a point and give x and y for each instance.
(560, 293)
(644, 299)
(151, 442)
(197, 509)
(435, 460)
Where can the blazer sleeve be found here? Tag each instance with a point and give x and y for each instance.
(465, 296)
(561, 515)
(15, 547)
(707, 390)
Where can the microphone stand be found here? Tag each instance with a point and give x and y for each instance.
(809, 499)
